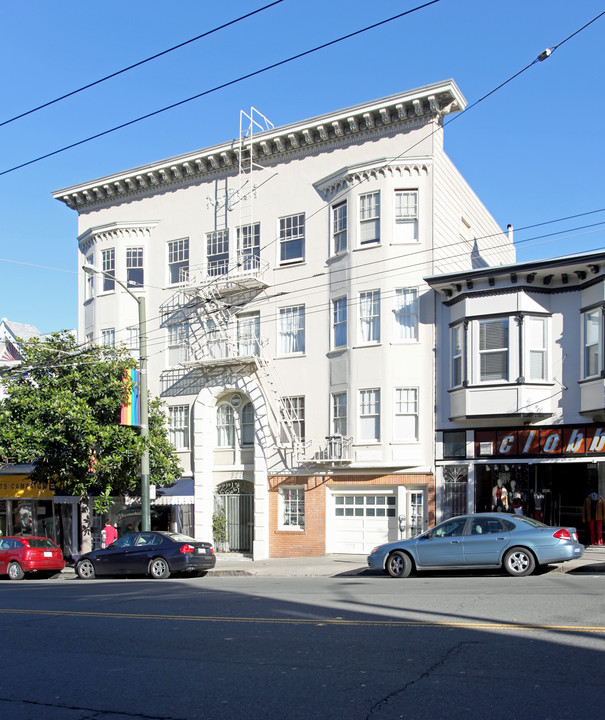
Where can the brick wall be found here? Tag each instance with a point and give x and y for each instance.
(312, 540)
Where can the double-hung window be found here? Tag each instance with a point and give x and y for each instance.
(248, 334)
(592, 361)
(536, 335)
(292, 239)
(339, 413)
(406, 216)
(108, 337)
(369, 317)
(178, 343)
(339, 228)
(134, 267)
(493, 349)
(90, 279)
(108, 260)
(247, 423)
(225, 425)
(178, 416)
(369, 415)
(178, 260)
(292, 330)
(217, 252)
(369, 218)
(132, 338)
(292, 410)
(339, 332)
(405, 312)
(405, 427)
(248, 247)
(292, 508)
(457, 355)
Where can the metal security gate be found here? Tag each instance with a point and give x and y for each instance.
(239, 514)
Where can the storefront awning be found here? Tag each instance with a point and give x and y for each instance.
(181, 493)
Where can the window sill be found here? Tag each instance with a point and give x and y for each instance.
(368, 246)
(337, 256)
(367, 345)
(337, 351)
(290, 356)
(405, 342)
(289, 263)
(289, 529)
(505, 383)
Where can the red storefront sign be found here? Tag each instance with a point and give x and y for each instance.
(561, 441)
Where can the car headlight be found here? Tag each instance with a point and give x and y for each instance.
(374, 549)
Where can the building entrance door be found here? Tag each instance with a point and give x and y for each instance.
(236, 501)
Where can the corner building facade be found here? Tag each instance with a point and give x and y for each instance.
(520, 377)
(290, 331)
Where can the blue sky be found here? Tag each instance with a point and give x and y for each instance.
(533, 152)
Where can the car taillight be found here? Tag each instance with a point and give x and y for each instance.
(211, 550)
(562, 534)
(186, 549)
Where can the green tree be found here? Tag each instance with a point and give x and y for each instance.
(62, 414)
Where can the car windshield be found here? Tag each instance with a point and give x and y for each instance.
(42, 543)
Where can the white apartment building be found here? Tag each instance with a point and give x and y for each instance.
(520, 387)
(290, 331)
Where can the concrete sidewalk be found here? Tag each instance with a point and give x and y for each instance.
(233, 565)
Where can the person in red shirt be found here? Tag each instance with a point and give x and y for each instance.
(108, 535)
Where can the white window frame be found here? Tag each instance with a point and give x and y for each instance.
(369, 317)
(178, 426)
(225, 426)
(536, 344)
(178, 342)
(485, 353)
(292, 414)
(248, 247)
(592, 361)
(292, 508)
(369, 416)
(339, 414)
(406, 315)
(291, 330)
(339, 322)
(457, 355)
(217, 253)
(247, 425)
(406, 217)
(135, 265)
(369, 219)
(292, 239)
(406, 415)
(108, 265)
(339, 228)
(89, 287)
(132, 338)
(178, 261)
(108, 337)
(248, 334)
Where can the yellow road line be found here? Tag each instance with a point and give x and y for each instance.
(477, 625)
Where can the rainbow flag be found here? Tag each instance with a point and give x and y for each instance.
(131, 410)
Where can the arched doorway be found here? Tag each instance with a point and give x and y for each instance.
(236, 499)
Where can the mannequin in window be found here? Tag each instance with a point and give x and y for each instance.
(499, 497)
(538, 506)
(593, 512)
(517, 504)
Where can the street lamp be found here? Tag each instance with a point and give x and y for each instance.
(145, 503)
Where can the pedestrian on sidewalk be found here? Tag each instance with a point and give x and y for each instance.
(593, 512)
(108, 535)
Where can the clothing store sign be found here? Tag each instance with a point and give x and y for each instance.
(561, 441)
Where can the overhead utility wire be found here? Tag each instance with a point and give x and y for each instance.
(217, 87)
(139, 63)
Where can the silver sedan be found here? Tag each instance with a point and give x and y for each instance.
(483, 540)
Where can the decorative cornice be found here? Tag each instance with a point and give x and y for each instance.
(380, 168)
(115, 232)
(387, 115)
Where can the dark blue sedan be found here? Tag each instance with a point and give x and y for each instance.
(484, 540)
(157, 554)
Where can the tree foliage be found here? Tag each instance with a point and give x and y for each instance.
(62, 414)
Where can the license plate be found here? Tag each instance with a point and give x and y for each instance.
(48, 554)
(201, 551)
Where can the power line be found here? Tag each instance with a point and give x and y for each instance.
(138, 64)
(218, 87)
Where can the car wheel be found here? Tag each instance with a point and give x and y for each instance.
(159, 568)
(85, 570)
(399, 564)
(15, 571)
(519, 562)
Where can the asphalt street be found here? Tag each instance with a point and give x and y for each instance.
(373, 648)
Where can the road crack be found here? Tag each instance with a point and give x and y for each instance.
(375, 709)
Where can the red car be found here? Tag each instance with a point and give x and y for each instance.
(19, 555)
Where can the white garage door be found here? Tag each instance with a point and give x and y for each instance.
(360, 522)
